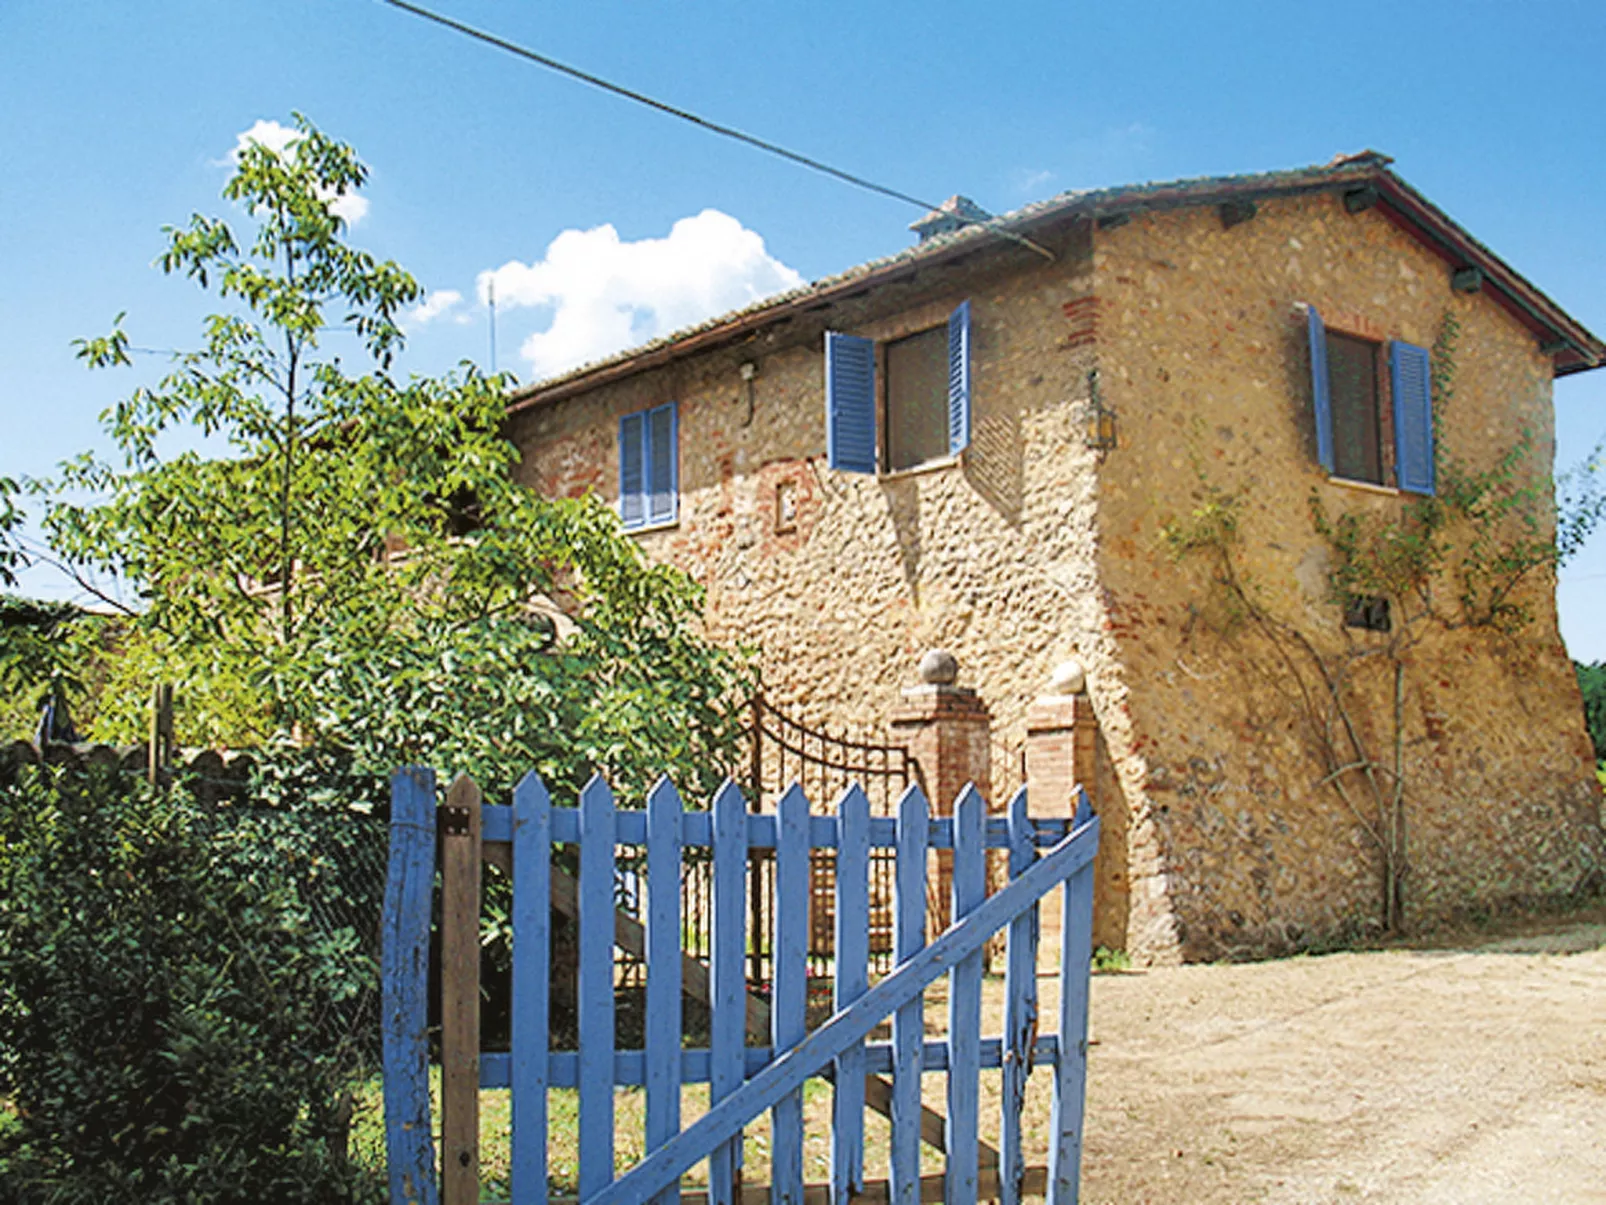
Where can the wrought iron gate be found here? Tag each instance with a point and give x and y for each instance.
(785, 752)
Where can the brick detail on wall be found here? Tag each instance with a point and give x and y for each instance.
(1083, 316)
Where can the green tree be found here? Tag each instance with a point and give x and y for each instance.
(1592, 685)
(51, 653)
(11, 557)
(348, 557)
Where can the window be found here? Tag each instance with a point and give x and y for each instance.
(1353, 402)
(1369, 612)
(1355, 406)
(649, 467)
(924, 400)
(785, 506)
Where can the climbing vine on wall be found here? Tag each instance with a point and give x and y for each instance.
(1317, 687)
(1461, 558)
(1464, 555)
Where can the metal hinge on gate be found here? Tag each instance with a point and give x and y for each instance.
(452, 821)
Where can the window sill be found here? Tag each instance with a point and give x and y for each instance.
(929, 466)
(1370, 487)
(648, 528)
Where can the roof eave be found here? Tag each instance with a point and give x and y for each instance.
(1581, 350)
(719, 333)
(1578, 349)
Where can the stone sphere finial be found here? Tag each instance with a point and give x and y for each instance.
(939, 667)
(1068, 678)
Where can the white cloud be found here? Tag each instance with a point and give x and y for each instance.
(278, 138)
(271, 134)
(1029, 182)
(438, 304)
(606, 295)
(349, 206)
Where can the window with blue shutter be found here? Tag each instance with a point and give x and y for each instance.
(632, 469)
(959, 379)
(924, 397)
(1353, 407)
(661, 488)
(1411, 381)
(649, 467)
(850, 440)
(1319, 393)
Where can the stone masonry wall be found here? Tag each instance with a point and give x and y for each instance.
(985, 557)
(990, 558)
(1238, 847)
(1219, 836)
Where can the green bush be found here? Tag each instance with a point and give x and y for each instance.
(170, 1012)
(1592, 682)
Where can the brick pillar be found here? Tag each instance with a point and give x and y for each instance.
(1063, 751)
(948, 729)
(1061, 737)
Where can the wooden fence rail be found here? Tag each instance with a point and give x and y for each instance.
(746, 1078)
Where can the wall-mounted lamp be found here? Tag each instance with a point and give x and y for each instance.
(1100, 418)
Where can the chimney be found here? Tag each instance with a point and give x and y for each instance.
(955, 213)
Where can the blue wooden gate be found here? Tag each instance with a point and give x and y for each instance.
(745, 1078)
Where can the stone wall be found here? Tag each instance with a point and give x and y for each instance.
(985, 557)
(1218, 835)
(990, 558)
(1237, 844)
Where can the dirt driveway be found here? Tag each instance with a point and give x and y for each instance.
(1474, 1073)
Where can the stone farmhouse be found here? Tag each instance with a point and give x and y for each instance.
(1184, 434)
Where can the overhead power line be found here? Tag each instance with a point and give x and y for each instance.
(641, 98)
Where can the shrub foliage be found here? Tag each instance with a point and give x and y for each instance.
(174, 1024)
(1592, 683)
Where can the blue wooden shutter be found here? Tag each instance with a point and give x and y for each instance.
(663, 463)
(959, 379)
(850, 403)
(1411, 378)
(632, 469)
(1320, 396)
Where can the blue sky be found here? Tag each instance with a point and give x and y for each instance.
(121, 117)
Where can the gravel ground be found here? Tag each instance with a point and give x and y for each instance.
(1467, 1071)
(1471, 1072)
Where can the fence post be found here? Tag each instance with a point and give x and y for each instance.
(160, 745)
(405, 969)
(532, 983)
(1061, 749)
(460, 994)
(1070, 1070)
(948, 730)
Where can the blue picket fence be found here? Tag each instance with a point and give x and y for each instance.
(745, 1079)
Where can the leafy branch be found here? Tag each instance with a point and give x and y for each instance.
(360, 567)
(12, 557)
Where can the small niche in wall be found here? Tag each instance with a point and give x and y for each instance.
(1367, 612)
(785, 506)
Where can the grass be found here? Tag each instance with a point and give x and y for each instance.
(1110, 962)
(368, 1138)
(562, 1148)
